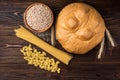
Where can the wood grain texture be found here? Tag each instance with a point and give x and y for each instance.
(82, 67)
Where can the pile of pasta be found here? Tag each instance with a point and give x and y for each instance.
(39, 59)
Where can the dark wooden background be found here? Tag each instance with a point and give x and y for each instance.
(82, 67)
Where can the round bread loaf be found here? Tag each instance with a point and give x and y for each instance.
(79, 28)
(38, 17)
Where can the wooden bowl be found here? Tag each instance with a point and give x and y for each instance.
(42, 27)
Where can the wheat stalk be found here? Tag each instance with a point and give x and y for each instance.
(52, 36)
(112, 42)
(101, 48)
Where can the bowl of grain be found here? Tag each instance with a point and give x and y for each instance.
(38, 17)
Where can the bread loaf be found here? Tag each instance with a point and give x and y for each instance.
(79, 28)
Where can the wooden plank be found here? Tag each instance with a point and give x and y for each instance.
(13, 55)
(92, 72)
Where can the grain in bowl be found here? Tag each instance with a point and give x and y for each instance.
(38, 17)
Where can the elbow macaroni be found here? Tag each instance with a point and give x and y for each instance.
(39, 59)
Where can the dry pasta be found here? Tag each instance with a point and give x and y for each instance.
(28, 36)
(39, 59)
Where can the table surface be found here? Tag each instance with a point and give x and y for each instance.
(81, 67)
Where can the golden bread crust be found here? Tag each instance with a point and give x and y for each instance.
(79, 28)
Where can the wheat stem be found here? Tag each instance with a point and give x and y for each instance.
(110, 38)
(52, 36)
(101, 48)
